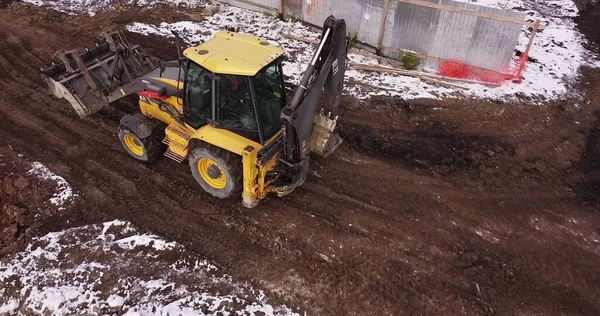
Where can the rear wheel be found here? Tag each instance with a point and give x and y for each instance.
(146, 149)
(218, 171)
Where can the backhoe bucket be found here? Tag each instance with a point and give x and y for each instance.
(324, 140)
(93, 79)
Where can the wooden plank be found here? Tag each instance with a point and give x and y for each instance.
(396, 50)
(302, 39)
(442, 83)
(415, 74)
(353, 50)
(525, 56)
(371, 55)
(533, 33)
(435, 81)
(474, 13)
(440, 60)
(384, 17)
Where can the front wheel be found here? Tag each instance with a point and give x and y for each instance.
(144, 149)
(218, 171)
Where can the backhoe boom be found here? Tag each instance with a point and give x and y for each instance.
(304, 129)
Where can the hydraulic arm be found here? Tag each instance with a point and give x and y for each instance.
(323, 76)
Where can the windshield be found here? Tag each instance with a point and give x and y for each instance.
(270, 98)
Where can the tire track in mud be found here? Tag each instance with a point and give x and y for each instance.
(122, 191)
(161, 208)
(62, 134)
(348, 245)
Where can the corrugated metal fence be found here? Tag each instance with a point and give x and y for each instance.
(475, 40)
(440, 29)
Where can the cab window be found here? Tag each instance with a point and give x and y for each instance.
(270, 97)
(234, 103)
(198, 95)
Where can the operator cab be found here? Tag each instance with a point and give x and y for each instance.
(235, 82)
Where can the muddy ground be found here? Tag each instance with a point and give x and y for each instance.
(456, 207)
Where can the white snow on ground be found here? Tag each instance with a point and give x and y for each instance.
(558, 50)
(557, 8)
(64, 192)
(9, 306)
(92, 6)
(299, 53)
(88, 270)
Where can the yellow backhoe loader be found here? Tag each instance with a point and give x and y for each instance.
(221, 105)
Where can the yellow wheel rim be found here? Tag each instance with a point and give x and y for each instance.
(212, 173)
(132, 143)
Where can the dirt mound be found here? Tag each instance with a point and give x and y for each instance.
(431, 148)
(476, 148)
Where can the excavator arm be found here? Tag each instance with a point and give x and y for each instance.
(304, 128)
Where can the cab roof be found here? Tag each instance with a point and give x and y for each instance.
(234, 53)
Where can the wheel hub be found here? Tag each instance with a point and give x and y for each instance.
(214, 171)
(134, 145)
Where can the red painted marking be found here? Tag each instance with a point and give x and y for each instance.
(151, 95)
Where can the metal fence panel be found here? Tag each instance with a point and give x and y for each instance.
(261, 4)
(411, 27)
(443, 34)
(449, 35)
(363, 17)
(293, 7)
(493, 42)
(453, 35)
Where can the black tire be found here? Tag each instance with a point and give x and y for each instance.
(152, 146)
(228, 164)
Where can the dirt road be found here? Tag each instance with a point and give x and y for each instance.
(430, 208)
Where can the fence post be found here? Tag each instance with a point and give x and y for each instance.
(525, 54)
(386, 9)
(281, 9)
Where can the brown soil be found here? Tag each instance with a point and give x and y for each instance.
(430, 208)
(24, 201)
(589, 14)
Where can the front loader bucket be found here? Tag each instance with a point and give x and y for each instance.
(89, 80)
(324, 140)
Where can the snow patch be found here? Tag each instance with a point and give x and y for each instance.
(9, 307)
(555, 8)
(115, 301)
(64, 191)
(86, 270)
(93, 6)
(145, 240)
